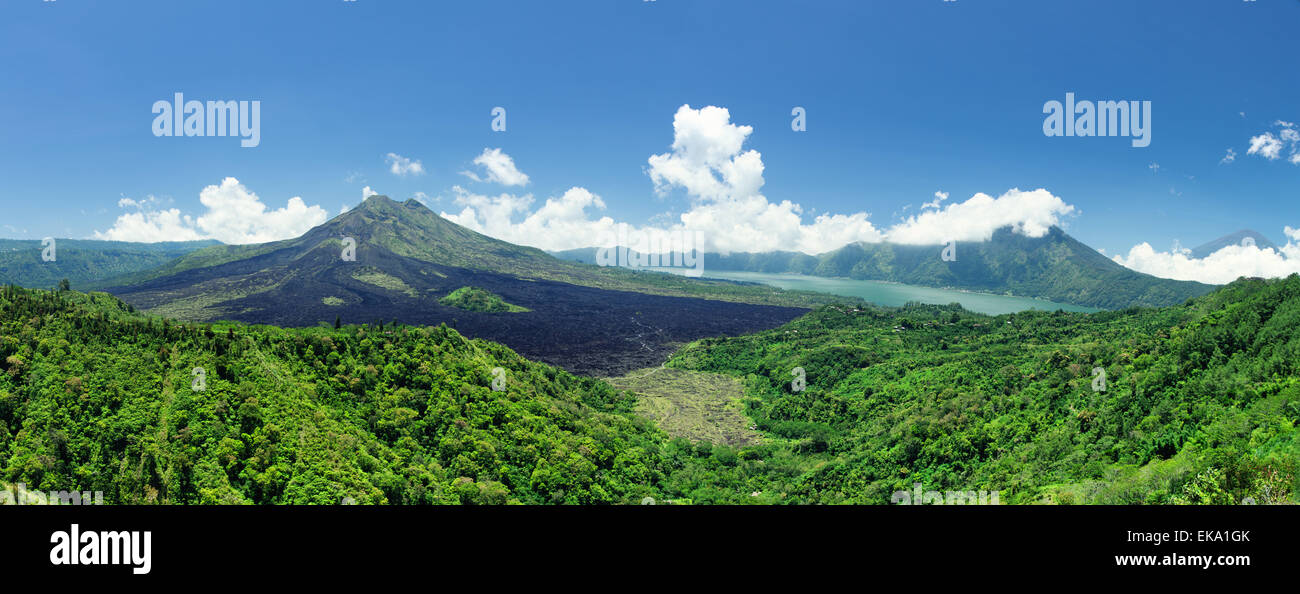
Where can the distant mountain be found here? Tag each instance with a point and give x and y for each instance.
(386, 261)
(84, 262)
(1239, 238)
(1055, 267)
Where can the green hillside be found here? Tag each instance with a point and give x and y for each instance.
(84, 262)
(1200, 403)
(1055, 267)
(93, 397)
(1200, 406)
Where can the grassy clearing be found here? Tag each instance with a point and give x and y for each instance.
(384, 280)
(697, 405)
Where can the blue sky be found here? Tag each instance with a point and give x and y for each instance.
(904, 98)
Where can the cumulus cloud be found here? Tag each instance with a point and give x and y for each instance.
(722, 182)
(500, 169)
(1223, 266)
(1028, 213)
(1271, 145)
(402, 166)
(152, 226)
(706, 158)
(234, 215)
(366, 192)
(1265, 145)
(559, 224)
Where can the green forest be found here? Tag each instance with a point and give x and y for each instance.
(1199, 407)
(476, 299)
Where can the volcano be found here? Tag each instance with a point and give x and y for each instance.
(386, 261)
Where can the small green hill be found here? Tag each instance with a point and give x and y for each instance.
(476, 299)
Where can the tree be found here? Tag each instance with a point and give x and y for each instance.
(338, 322)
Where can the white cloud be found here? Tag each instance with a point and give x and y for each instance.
(1265, 145)
(403, 166)
(234, 215)
(1028, 213)
(1223, 266)
(561, 223)
(366, 192)
(151, 226)
(1271, 146)
(706, 158)
(723, 183)
(500, 169)
(1229, 157)
(939, 197)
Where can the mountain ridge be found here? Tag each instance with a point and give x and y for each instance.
(1055, 267)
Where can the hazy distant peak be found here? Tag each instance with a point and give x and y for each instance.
(1235, 238)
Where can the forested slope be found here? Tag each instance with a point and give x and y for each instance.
(1200, 403)
(1200, 406)
(94, 397)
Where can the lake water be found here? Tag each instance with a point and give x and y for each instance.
(894, 294)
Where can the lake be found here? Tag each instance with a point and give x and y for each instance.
(893, 294)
